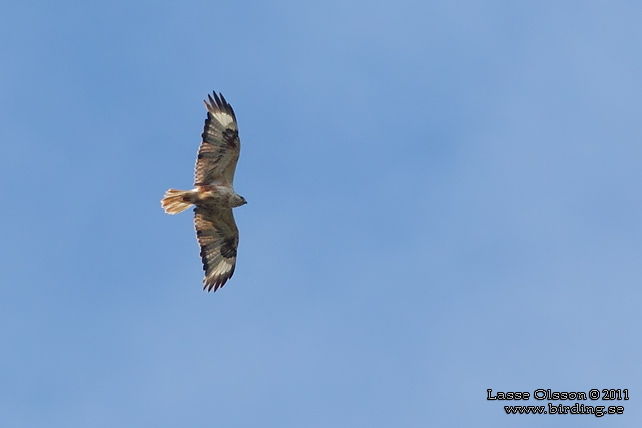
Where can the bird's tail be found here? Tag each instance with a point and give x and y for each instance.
(176, 201)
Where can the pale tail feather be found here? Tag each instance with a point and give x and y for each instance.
(174, 201)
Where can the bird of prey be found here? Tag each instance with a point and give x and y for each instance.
(213, 195)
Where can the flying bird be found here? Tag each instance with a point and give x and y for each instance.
(213, 195)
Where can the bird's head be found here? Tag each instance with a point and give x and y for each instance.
(238, 200)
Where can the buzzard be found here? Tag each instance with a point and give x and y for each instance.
(213, 195)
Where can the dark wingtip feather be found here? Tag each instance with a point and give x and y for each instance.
(219, 282)
(212, 103)
(218, 100)
(219, 103)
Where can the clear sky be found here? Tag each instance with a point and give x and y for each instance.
(443, 197)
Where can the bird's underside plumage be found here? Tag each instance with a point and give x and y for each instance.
(213, 194)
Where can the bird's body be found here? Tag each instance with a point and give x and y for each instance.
(213, 194)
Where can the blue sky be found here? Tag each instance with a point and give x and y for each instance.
(443, 197)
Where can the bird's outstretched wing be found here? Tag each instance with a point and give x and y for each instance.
(218, 237)
(219, 151)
